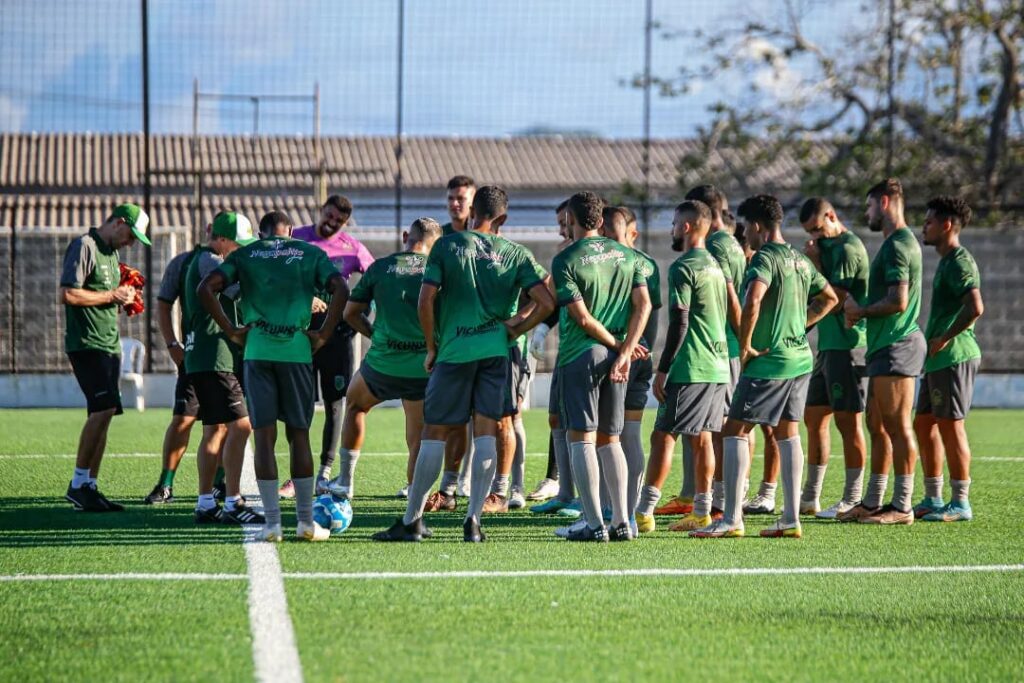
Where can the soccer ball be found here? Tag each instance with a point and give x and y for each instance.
(332, 513)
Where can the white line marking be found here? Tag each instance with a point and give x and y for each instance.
(275, 656)
(532, 573)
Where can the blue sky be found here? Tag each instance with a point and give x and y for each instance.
(472, 68)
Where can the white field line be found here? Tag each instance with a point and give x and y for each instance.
(534, 573)
(275, 655)
(370, 454)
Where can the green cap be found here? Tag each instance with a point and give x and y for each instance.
(233, 226)
(136, 218)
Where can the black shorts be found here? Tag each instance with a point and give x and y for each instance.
(186, 403)
(947, 393)
(768, 401)
(553, 397)
(903, 358)
(333, 367)
(691, 409)
(99, 376)
(590, 401)
(279, 391)
(457, 390)
(641, 372)
(220, 395)
(518, 380)
(386, 387)
(839, 381)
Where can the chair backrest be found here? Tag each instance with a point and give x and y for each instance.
(133, 356)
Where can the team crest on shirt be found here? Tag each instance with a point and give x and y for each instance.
(596, 246)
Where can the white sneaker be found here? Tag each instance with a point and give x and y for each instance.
(336, 489)
(835, 510)
(516, 500)
(311, 532)
(546, 488)
(462, 489)
(759, 505)
(564, 531)
(403, 492)
(271, 533)
(809, 507)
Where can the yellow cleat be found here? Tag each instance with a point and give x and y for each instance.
(780, 530)
(644, 523)
(690, 522)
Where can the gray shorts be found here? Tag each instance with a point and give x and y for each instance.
(590, 401)
(904, 358)
(457, 390)
(639, 386)
(768, 401)
(838, 381)
(518, 380)
(947, 393)
(386, 387)
(730, 388)
(553, 396)
(691, 409)
(279, 391)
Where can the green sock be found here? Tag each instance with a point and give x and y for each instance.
(219, 477)
(167, 478)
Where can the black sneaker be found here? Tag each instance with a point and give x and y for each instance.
(84, 498)
(241, 515)
(159, 495)
(110, 505)
(220, 492)
(586, 534)
(424, 530)
(400, 532)
(208, 516)
(620, 533)
(472, 533)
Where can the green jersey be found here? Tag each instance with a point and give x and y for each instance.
(91, 264)
(844, 263)
(956, 275)
(207, 348)
(697, 285)
(278, 277)
(479, 277)
(652, 275)
(733, 262)
(392, 285)
(898, 260)
(781, 324)
(447, 229)
(602, 274)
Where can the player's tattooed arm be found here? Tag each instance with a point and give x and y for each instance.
(425, 312)
(208, 290)
(973, 308)
(820, 306)
(355, 316)
(895, 301)
(751, 312)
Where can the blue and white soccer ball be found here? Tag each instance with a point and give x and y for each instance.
(332, 513)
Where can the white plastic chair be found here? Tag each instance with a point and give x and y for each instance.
(133, 357)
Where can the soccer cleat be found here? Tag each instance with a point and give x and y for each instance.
(856, 512)
(403, 492)
(780, 530)
(241, 515)
(438, 501)
(287, 490)
(495, 503)
(928, 505)
(271, 533)
(207, 516)
(472, 533)
(110, 505)
(549, 507)
(887, 514)
(622, 532)
(400, 532)
(690, 522)
(676, 506)
(589, 535)
(311, 531)
(836, 509)
(85, 498)
(644, 523)
(718, 529)
(564, 531)
(809, 507)
(573, 510)
(335, 488)
(423, 529)
(516, 500)
(546, 488)
(323, 486)
(220, 491)
(759, 505)
(159, 495)
(953, 511)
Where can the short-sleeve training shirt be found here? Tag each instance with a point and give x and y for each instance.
(91, 264)
(207, 348)
(697, 284)
(957, 274)
(729, 254)
(844, 263)
(898, 260)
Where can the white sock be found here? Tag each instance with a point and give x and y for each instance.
(206, 501)
(81, 477)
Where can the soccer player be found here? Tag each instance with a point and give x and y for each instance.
(393, 367)
(944, 398)
(838, 383)
(213, 363)
(776, 361)
(278, 277)
(91, 292)
(461, 190)
(693, 371)
(333, 363)
(602, 289)
(895, 357)
(620, 225)
(474, 277)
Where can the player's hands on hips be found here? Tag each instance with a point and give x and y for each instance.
(428, 363)
(852, 311)
(510, 330)
(319, 305)
(659, 386)
(936, 345)
(540, 333)
(125, 294)
(238, 334)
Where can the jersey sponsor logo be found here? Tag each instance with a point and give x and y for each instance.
(479, 251)
(396, 345)
(795, 342)
(409, 268)
(276, 330)
(278, 250)
(592, 259)
(190, 342)
(467, 331)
